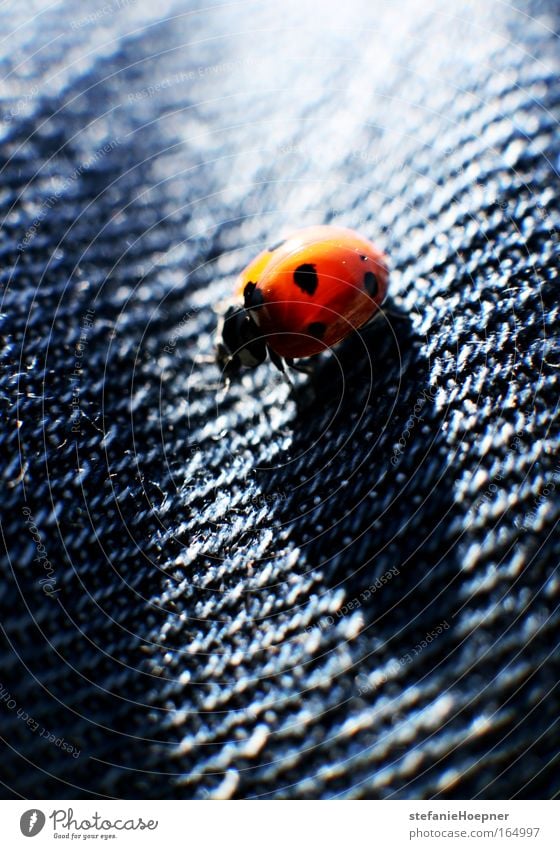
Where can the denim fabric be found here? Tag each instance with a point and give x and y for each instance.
(348, 589)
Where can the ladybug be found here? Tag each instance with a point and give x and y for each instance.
(300, 297)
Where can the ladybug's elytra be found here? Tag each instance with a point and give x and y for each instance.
(302, 296)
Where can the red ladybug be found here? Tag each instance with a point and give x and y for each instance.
(302, 296)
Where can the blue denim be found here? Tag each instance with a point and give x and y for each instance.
(344, 589)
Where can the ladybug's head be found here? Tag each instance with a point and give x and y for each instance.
(240, 343)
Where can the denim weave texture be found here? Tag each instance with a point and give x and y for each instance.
(345, 589)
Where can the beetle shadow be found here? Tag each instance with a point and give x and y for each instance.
(366, 481)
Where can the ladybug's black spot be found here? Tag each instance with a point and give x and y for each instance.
(317, 329)
(364, 258)
(252, 297)
(276, 245)
(370, 282)
(305, 278)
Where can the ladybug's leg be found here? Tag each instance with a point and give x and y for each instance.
(277, 360)
(304, 368)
